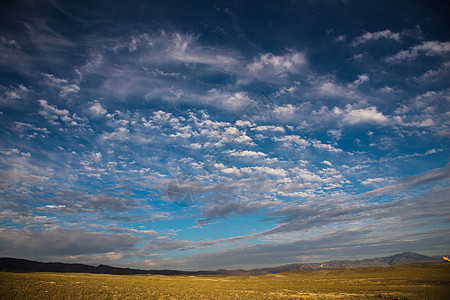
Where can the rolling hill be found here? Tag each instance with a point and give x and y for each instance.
(23, 265)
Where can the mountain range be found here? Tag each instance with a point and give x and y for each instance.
(22, 265)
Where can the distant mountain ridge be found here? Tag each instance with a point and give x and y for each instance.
(22, 265)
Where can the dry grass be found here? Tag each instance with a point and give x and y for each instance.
(398, 282)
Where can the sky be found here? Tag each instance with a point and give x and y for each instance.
(198, 135)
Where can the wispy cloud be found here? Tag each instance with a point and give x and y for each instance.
(428, 48)
(374, 36)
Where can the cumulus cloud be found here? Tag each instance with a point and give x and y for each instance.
(119, 134)
(287, 111)
(271, 171)
(287, 90)
(97, 109)
(269, 65)
(326, 162)
(54, 114)
(30, 130)
(234, 135)
(231, 101)
(327, 147)
(269, 128)
(435, 74)
(13, 95)
(63, 85)
(361, 79)
(289, 140)
(51, 111)
(335, 133)
(247, 153)
(328, 86)
(354, 116)
(369, 114)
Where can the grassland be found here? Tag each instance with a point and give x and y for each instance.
(397, 282)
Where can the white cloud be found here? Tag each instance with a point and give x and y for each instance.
(195, 146)
(269, 128)
(242, 123)
(167, 93)
(236, 100)
(231, 171)
(271, 171)
(97, 156)
(184, 48)
(50, 110)
(97, 108)
(227, 170)
(362, 115)
(286, 90)
(326, 162)
(12, 94)
(30, 130)
(53, 114)
(228, 100)
(375, 180)
(430, 48)
(232, 134)
(285, 112)
(358, 57)
(327, 147)
(341, 38)
(386, 89)
(62, 84)
(335, 133)
(328, 86)
(9, 43)
(369, 114)
(292, 139)
(243, 139)
(272, 65)
(119, 134)
(247, 153)
(176, 47)
(361, 79)
(374, 36)
(307, 175)
(184, 135)
(435, 74)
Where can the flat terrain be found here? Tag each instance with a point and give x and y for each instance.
(397, 282)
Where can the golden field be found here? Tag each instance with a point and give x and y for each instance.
(397, 282)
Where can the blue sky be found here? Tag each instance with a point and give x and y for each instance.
(223, 134)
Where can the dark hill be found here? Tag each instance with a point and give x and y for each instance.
(406, 258)
(23, 265)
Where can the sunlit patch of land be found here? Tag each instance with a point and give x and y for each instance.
(397, 282)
